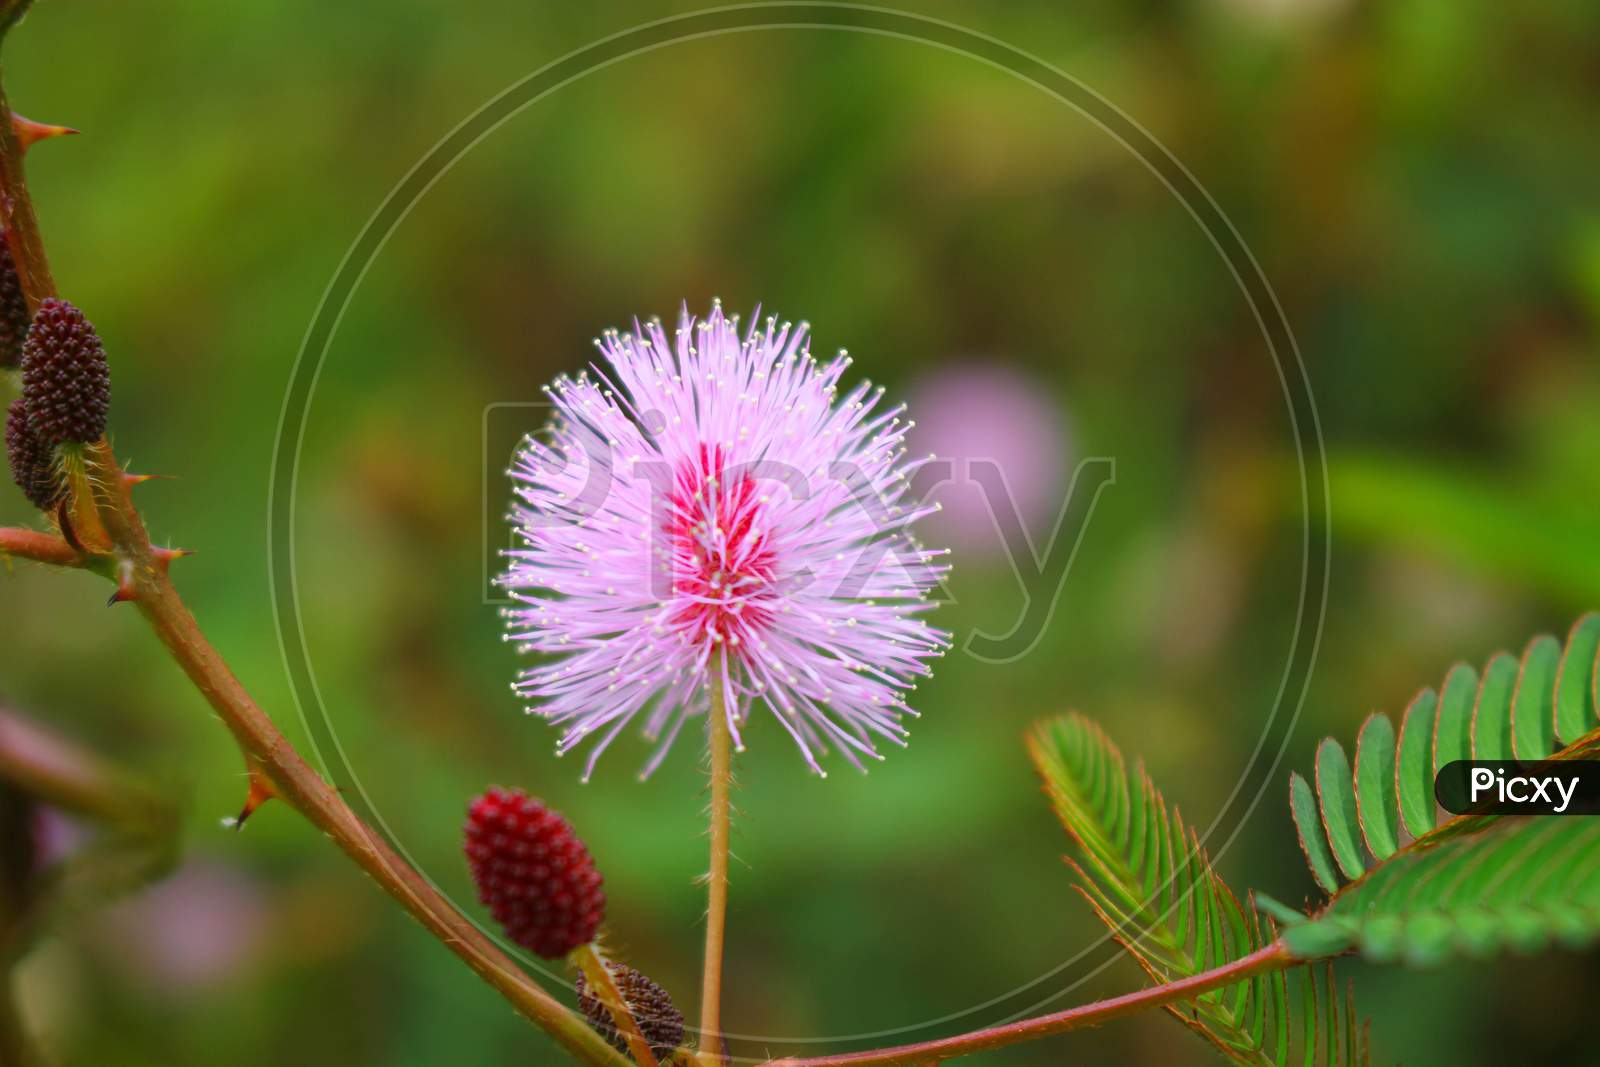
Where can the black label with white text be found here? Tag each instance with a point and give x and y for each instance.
(1507, 787)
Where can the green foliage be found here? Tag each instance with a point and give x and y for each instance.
(1518, 884)
(1513, 709)
(1425, 891)
(1147, 877)
(1544, 539)
(1403, 885)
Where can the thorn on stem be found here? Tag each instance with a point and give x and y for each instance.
(261, 791)
(125, 590)
(28, 131)
(165, 556)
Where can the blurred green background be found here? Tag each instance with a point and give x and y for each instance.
(1416, 178)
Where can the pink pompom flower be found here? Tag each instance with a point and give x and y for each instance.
(708, 511)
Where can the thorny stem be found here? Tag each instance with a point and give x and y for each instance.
(712, 1051)
(142, 577)
(16, 207)
(1273, 957)
(604, 987)
(271, 757)
(39, 547)
(269, 754)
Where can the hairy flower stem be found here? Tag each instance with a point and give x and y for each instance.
(712, 1051)
(1273, 957)
(604, 987)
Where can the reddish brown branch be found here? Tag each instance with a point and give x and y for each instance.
(20, 225)
(39, 547)
(1273, 957)
(296, 783)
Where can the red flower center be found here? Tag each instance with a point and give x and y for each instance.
(722, 563)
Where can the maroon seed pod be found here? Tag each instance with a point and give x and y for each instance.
(659, 1019)
(66, 383)
(32, 466)
(535, 876)
(13, 309)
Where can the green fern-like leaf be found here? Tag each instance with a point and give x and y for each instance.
(1146, 876)
(1424, 890)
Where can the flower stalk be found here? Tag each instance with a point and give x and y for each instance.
(712, 1050)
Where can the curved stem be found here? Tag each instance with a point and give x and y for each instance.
(605, 989)
(38, 547)
(711, 1044)
(295, 782)
(1272, 957)
(20, 226)
(142, 577)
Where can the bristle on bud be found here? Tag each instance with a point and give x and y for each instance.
(534, 874)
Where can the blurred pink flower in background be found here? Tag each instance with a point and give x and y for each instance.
(195, 929)
(990, 411)
(56, 836)
(1285, 12)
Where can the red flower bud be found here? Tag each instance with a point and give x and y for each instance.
(536, 877)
